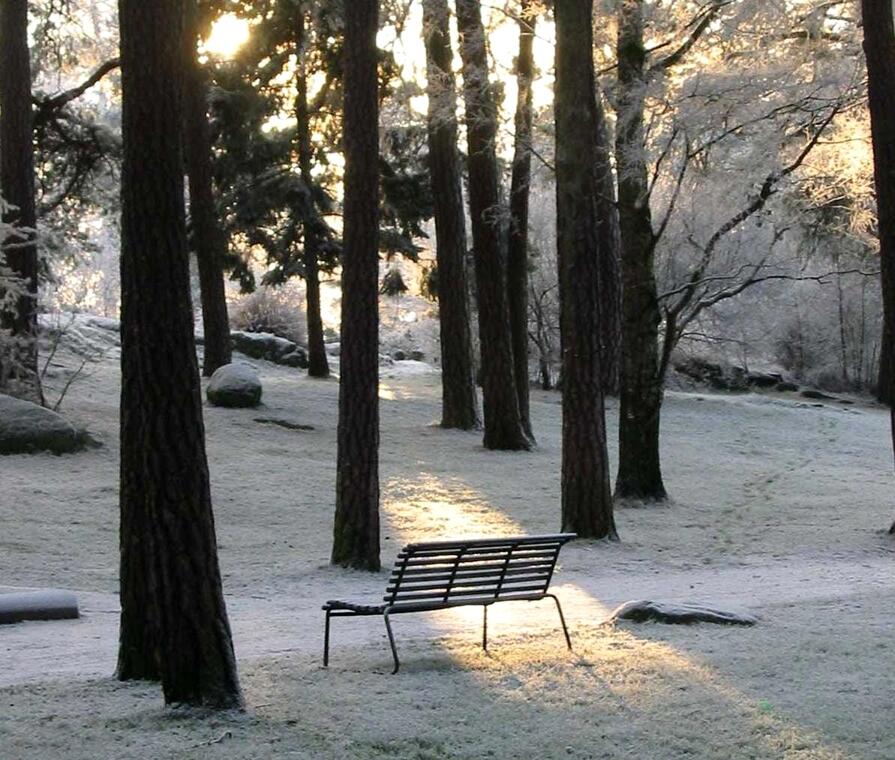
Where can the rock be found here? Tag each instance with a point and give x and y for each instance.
(234, 385)
(817, 395)
(417, 356)
(661, 612)
(399, 356)
(722, 378)
(259, 345)
(47, 604)
(783, 387)
(27, 427)
(295, 358)
(763, 379)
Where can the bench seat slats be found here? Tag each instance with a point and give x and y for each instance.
(465, 559)
(501, 540)
(469, 568)
(445, 574)
(490, 582)
(505, 592)
(480, 552)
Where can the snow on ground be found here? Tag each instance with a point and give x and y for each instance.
(778, 508)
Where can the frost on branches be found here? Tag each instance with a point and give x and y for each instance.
(15, 377)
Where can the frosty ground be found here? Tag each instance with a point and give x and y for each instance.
(778, 508)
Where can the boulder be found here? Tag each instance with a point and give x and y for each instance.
(764, 379)
(295, 358)
(787, 387)
(46, 604)
(27, 427)
(234, 385)
(720, 377)
(262, 345)
(817, 395)
(661, 612)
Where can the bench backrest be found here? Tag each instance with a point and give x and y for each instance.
(474, 571)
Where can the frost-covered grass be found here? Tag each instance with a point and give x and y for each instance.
(778, 510)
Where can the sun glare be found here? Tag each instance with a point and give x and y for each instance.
(228, 34)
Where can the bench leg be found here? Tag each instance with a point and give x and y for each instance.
(391, 641)
(326, 642)
(562, 619)
(485, 629)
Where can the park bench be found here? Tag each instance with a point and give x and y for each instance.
(438, 575)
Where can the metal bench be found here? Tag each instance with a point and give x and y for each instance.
(438, 575)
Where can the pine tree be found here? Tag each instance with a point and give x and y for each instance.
(208, 239)
(356, 529)
(503, 423)
(173, 618)
(586, 493)
(318, 365)
(879, 49)
(517, 249)
(18, 361)
(639, 468)
(459, 401)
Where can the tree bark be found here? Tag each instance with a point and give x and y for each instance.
(503, 424)
(879, 49)
(639, 469)
(19, 375)
(173, 621)
(459, 403)
(586, 492)
(318, 364)
(208, 239)
(610, 258)
(356, 530)
(520, 185)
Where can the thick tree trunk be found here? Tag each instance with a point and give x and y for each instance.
(520, 184)
(318, 365)
(879, 48)
(886, 377)
(610, 258)
(639, 471)
(173, 621)
(459, 407)
(356, 531)
(586, 492)
(19, 375)
(208, 239)
(503, 424)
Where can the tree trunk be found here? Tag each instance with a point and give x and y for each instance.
(208, 239)
(19, 373)
(610, 258)
(356, 531)
(318, 365)
(459, 408)
(173, 619)
(879, 48)
(586, 492)
(520, 184)
(639, 471)
(886, 374)
(503, 424)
